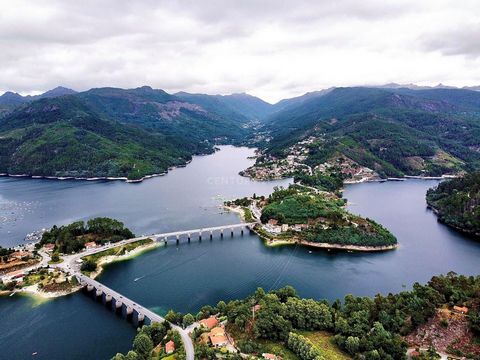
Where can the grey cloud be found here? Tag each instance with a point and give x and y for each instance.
(459, 41)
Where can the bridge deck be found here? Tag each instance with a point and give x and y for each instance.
(85, 280)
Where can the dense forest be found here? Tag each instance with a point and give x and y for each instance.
(366, 328)
(326, 219)
(72, 238)
(457, 202)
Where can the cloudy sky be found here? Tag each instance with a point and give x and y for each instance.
(269, 48)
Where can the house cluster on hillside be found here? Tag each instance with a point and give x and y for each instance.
(273, 227)
(217, 336)
(16, 260)
(270, 167)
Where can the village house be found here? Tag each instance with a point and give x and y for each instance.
(209, 323)
(90, 245)
(272, 222)
(49, 247)
(218, 337)
(19, 255)
(414, 354)
(460, 310)
(169, 347)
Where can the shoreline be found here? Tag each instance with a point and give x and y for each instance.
(472, 234)
(328, 246)
(363, 180)
(109, 178)
(97, 178)
(109, 259)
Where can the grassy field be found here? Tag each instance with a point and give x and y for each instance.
(323, 341)
(266, 346)
(277, 349)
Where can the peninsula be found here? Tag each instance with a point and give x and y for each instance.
(457, 203)
(310, 217)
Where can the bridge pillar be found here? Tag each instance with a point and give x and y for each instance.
(129, 312)
(140, 318)
(241, 232)
(108, 299)
(90, 288)
(98, 295)
(189, 237)
(200, 236)
(211, 235)
(221, 233)
(165, 240)
(231, 232)
(178, 239)
(118, 306)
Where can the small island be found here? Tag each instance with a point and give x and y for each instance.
(310, 217)
(457, 203)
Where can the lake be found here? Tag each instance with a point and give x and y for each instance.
(187, 276)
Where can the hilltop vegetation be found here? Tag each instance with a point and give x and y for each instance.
(322, 219)
(72, 238)
(457, 202)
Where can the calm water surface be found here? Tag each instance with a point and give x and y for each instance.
(187, 276)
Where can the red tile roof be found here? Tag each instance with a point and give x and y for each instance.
(210, 322)
(460, 309)
(90, 244)
(169, 347)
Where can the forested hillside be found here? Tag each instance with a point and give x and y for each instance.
(63, 137)
(111, 132)
(457, 202)
(393, 131)
(135, 132)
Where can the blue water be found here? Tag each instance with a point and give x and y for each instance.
(187, 276)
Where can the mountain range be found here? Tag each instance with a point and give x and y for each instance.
(394, 129)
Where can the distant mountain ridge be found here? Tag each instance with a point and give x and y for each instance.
(148, 131)
(392, 129)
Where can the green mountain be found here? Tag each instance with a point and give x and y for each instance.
(158, 111)
(457, 202)
(111, 132)
(250, 106)
(64, 137)
(242, 107)
(10, 100)
(393, 131)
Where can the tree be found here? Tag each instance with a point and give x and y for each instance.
(118, 356)
(55, 257)
(352, 344)
(188, 320)
(474, 319)
(143, 346)
(88, 266)
(132, 355)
